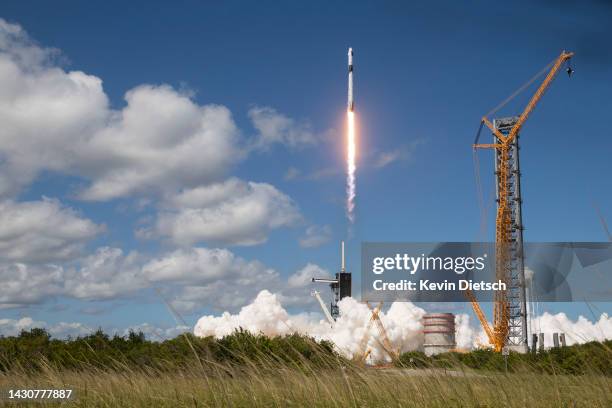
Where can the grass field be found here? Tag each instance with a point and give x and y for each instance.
(282, 387)
(243, 370)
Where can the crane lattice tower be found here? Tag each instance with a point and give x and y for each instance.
(514, 276)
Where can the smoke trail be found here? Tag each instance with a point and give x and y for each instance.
(351, 167)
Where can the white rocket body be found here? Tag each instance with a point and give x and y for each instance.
(351, 103)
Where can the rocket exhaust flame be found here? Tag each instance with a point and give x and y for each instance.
(351, 167)
(351, 144)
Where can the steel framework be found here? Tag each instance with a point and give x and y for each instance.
(508, 188)
(509, 310)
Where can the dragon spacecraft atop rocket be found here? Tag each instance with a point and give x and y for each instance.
(351, 103)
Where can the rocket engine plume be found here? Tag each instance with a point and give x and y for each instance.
(351, 144)
(351, 167)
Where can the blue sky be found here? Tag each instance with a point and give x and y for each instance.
(424, 75)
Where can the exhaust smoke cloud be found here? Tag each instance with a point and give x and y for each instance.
(402, 322)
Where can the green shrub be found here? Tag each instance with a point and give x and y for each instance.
(31, 348)
(580, 359)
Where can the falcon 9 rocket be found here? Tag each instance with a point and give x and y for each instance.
(351, 145)
(350, 80)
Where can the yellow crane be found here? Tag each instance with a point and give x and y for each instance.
(382, 339)
(505, 226)
(363, 352)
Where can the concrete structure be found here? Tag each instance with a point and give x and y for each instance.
(541, 342)
(439, 332)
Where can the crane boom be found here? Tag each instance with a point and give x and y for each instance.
(505, 222)
(362, 352)
(385, 342)
(563, 57)
(481, 316)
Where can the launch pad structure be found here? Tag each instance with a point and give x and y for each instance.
(340, 286)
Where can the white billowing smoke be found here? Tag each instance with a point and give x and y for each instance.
(266, 315)
(579, 331)
(465, 335)
(402, 322)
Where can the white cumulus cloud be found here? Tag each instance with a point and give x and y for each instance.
(276, 128)
(12, 327)
(42, 231)
(61, 121)
(197, 277)
(315, 236)
(62, 330)
(190, 278)
(197, 266)
(160, 141)
(233, 212)
(303, 277)
(27, 284)
(155, 333)
(105, 274)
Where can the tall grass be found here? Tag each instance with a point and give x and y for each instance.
(283, 386)
(252, 371)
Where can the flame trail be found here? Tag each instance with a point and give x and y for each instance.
(350, 166)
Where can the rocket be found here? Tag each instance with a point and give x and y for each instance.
(351, 103)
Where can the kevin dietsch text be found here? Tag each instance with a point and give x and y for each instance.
(427, 285)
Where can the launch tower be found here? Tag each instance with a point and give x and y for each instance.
(340, 286)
